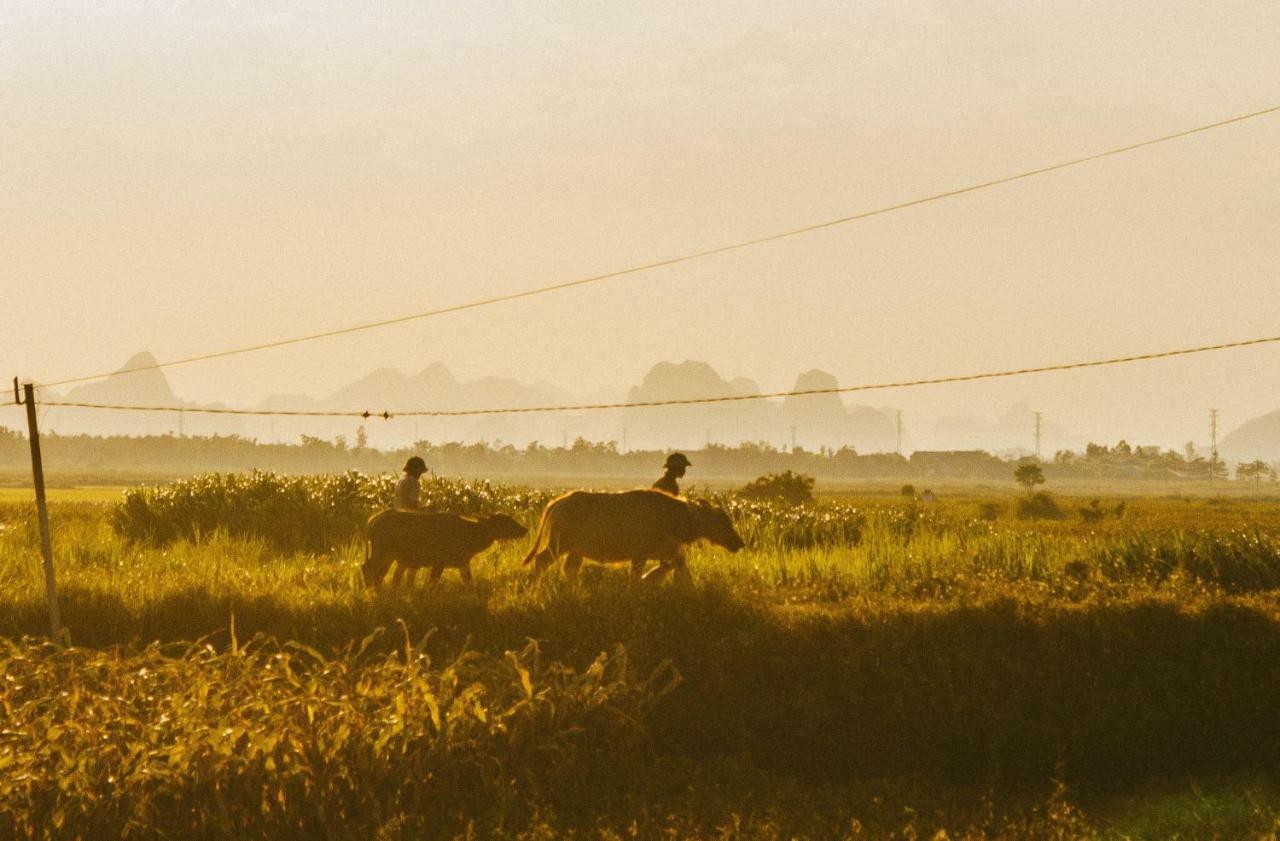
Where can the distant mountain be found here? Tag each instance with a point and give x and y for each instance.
(1014, 431)
(823, 420)
(690, 426)
(1255, 439)
(147, 387)
(817, 421)
(433, 388)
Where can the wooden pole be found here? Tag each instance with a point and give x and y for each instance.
(42, 509)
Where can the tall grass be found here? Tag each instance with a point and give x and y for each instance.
(850, 642)
(282, 741)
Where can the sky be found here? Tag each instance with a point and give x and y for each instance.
(187, 177)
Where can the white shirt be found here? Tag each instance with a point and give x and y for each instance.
(406, 498)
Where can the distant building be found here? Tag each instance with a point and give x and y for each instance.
(957, 463)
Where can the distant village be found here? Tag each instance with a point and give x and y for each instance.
(89, 457)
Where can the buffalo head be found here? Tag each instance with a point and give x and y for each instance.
(714, 525)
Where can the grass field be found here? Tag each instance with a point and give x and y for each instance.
(867, 667)
(104, 493)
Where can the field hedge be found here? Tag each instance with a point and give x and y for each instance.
(295, 513)
(321, 513)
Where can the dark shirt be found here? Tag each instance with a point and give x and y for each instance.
(668, 483)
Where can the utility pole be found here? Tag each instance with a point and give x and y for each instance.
(1038, 416)
(1213, 446)
(793, 437)
(899, 432)
(42, 506)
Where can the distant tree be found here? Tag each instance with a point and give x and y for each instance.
(362, 438)
(909, 491)
(787, 486)
(1255, 470)
(1189, 451)
(1028, 474)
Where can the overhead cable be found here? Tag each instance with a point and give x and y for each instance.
(670, 261)
(387, 414)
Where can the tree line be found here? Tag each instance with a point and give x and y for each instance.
(171, 455)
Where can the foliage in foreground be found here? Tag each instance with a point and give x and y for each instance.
(285, 742)
(270, 741)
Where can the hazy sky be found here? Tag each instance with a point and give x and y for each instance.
(183, 177)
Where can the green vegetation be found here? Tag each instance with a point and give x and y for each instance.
(786, 486)
(1028, 474)
(866, 666)
(87, 459)
(294, 513)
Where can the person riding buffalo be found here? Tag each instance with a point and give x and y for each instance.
(673, 469)
(408, 489)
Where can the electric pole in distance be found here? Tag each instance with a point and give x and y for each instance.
(1038, 415)
(1213, 443)
(899, 432)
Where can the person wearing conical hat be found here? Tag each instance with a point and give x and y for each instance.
(408, 488)
(673, 469)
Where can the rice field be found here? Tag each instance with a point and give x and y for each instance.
(867, 667)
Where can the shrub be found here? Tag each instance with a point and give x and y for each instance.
(989, 511)
(1093, 513)
(794, 488)
(1039, 506)
(294, 513)
(909, 491)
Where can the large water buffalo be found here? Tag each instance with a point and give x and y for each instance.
(632, 527)
(415, 539)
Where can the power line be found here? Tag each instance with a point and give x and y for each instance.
(583, 407)
(671, 261)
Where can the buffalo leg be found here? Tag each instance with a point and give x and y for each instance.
(434, 575)
(375, 569)
(398, 577)
(409, 575)
(665, 565)
(658, 572)
(637, 568)
(465, 572)
(542, 561)
(572, 565)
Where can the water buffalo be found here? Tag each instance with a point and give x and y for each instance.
(632, 527)
(415, 539)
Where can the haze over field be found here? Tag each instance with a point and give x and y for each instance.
(196, 177)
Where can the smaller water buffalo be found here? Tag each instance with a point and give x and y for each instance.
(416, 539)
(633, 527)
